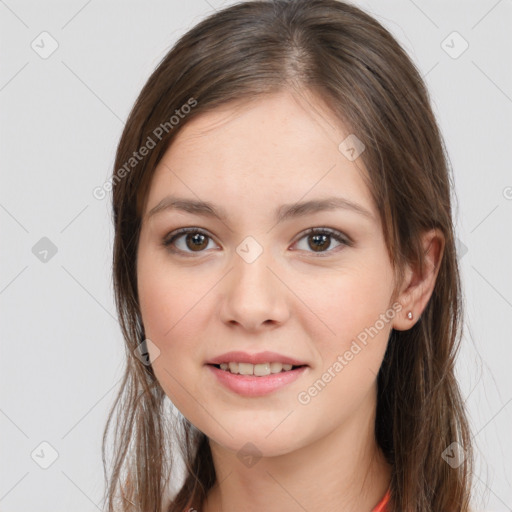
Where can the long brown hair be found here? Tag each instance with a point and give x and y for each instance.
(358, 69)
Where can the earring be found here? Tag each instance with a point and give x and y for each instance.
(409, 315)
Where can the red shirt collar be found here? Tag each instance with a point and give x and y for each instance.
(382, 506)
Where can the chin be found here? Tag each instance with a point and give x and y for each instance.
(245, 445)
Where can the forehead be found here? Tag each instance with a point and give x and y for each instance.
(278, 147)
(290, 120)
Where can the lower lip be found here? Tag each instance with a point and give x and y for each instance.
(249, 385)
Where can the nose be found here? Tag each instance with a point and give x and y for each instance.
(253, 294)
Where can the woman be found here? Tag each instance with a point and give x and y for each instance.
(285, 273)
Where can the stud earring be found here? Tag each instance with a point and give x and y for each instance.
(409, 315)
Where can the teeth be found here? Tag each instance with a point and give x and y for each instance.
(260, 370)
(245, 368)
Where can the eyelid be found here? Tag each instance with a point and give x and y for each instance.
(335, 233)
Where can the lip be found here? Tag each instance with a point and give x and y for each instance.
(259, 358)
(253, 386)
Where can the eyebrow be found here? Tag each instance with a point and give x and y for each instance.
(282, 213)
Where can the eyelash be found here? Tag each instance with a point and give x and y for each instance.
(335, 234)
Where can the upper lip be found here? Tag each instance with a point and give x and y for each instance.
(260, 357)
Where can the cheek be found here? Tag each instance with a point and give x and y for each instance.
(171, 309)
(170, 298)
(348, 302)
(354, 308)
(176, 309)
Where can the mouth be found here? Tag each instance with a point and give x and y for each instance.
(256, 380)
(256, 370)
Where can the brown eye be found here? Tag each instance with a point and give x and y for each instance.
(194, 240)
(320, 240)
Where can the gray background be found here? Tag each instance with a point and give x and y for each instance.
(61, 118)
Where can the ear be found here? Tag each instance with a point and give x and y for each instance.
(419, 283)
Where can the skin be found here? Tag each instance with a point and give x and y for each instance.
(249, 159)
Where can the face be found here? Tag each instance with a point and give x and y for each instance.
(256, 278)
